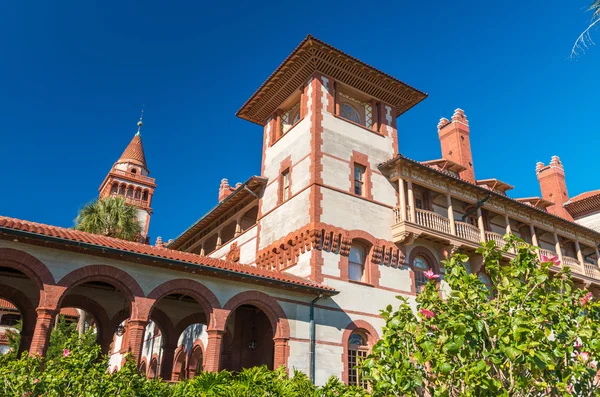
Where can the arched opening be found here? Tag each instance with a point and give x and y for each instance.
(196, 361)
(152, 369)
(227, 233)
(248, 340)
(153, 344)
(179, 367)
(19, 297)
(122, 189)
(134, 170)
(182, 310)
(130, 191)
(249, 218)
(145, 195)
(106, 303)
(143, 368)
(138, 193)
(114, 188)
(210, 244)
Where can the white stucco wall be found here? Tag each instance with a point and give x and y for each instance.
(591, 221)
(247, 244)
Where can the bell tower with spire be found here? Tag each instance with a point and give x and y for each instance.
(129, 178)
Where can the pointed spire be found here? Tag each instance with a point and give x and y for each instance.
(139, 123)
(134, 152)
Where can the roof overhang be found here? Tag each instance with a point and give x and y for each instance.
(588, 204)
(445, 164)
(387, 167)
(249, 188)
(535, 202)
(495, 184)
(313, 55)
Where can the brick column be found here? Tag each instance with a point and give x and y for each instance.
(41, 332)
(166, 362)
(280, 355)
(137, 329)
(213, 350)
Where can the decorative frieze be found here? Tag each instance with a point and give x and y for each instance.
(286, 251)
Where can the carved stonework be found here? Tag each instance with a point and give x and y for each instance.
(234, 253)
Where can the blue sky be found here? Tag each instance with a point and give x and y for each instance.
(74, 75)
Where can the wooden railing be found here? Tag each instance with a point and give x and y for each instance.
(592, 270)
(573, 263)
(134, 176)
(433, 220)
(467, 231)
(496, 237)
(547, 253)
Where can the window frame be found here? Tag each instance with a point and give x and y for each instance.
(361, 181)
(362, 103)
(285, 185)
(363, 265)
(355, 353)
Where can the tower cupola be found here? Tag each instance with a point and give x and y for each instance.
(129, 178)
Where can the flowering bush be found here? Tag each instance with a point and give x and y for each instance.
(532, 333)
(80, 371)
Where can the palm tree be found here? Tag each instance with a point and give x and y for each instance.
(584, 39)
(109, 217)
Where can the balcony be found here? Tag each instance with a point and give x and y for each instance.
(131, 175)
(573, 263)
(131, 200)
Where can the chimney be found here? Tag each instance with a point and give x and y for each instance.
(225, 190)
(455, 142)
(553, 186)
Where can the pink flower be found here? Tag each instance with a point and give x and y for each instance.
(431, 275)
(27, 394)
(570, 389)
(578, 344)
(66, 353)
(584, 356)
(427, 313)
(583, 301)
(554, 259)
(35, 381)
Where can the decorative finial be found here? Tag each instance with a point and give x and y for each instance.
(139, 123)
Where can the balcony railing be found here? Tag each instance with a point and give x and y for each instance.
(131, 200)
(467, 231)
(592, 270)
(432, 220)
(496, 237)
(134, 176)
(547, 253)
(573, 263)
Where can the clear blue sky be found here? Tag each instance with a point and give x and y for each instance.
(74, 75)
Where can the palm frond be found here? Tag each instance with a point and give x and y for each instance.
(110, 217)
(584, 41)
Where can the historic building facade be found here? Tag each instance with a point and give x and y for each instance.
(292, 266)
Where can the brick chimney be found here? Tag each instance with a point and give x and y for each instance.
(455, 142)
(553, 186)
(225, 190)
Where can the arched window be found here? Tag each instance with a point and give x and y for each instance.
(420, 265)
(358, 350)
(134, 171)
(115, 188)
(356, 263)
(130, 191)
(145, 195)
(349, 112)
(289, 118)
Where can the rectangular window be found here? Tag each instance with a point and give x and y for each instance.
(285, 185)
(359, 179)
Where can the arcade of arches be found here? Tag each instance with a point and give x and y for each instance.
(175, 331)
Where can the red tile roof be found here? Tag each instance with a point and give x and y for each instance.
(584, 203)
(583, 196)
(134, 152)
(71, 237)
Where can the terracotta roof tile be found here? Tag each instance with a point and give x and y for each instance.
(40, 229)
(583, 196)
(134, 152)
